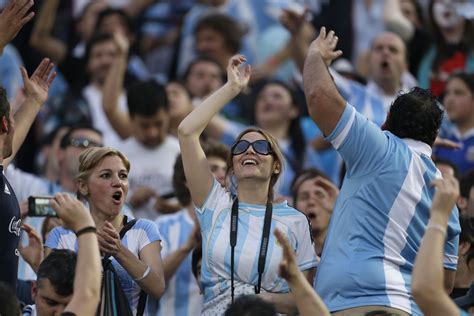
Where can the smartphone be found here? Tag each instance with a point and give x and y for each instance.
(40, 206)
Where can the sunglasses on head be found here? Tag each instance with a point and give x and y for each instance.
(83, 143)
(261, 147)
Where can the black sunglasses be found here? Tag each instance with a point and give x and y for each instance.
(261, 147)
(83, 143)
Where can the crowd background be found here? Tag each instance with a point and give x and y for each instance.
(130, 71)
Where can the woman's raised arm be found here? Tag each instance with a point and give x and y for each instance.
(199, 177)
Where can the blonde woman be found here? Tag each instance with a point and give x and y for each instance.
(103, 182)
(244, 259)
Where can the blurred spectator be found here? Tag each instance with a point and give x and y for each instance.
(250, 305)
(465, 271)
(453, 45)
(252, 17)
(315, 195)
(203, 76)
(145, 132)
(466, 200)
(459, 105)
(180, 104)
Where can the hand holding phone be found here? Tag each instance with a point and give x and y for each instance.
(40, 206)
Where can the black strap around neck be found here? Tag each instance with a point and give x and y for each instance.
(234, 221)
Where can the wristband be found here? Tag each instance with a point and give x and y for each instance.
(145, 274)
(437, 227)
(85, 230)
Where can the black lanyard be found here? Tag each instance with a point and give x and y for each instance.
(262, 256)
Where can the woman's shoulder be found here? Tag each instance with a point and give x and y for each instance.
(289, 213)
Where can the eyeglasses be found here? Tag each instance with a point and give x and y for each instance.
(261, 147)
(83, 143)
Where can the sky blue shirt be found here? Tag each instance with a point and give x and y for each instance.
(379, 219)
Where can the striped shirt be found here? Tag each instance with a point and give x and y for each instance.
(143, 233)
(379, 218)
(182, 297)
(214, 218)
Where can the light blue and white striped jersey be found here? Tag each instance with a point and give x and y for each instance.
(379, 218)
(214, 218)
(182, 297)
(143, 233)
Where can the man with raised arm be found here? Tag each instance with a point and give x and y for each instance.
(384, 204)
(13, 130)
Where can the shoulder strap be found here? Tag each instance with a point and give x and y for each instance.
(127, 225)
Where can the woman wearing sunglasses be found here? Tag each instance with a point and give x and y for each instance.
(240, 253)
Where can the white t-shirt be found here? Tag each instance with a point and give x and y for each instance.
(151, 167)
(100, 121)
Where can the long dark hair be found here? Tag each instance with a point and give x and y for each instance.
(295, 132)
(442, 48)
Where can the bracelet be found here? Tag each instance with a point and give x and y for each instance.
(437, 227)
(85, 230)
(145, 274)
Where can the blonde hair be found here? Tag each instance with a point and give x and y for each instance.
(92, 157)
(277, 156)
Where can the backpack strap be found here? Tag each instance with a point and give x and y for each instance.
(141, 303)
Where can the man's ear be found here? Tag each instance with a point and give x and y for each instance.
(34, 289)
(462, 204)
(464, 248)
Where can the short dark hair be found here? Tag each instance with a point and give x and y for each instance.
(224, 25)
(66, 139)
(96, 39)
(146, 98)
(301, 177)
(211, 149)
(467, 235)
(465, 184)
(250, 305)
(59, 268)
(4, 104)
(127, 20)
(416, 115)
(9, 304)
(201, 59)
(467, 78)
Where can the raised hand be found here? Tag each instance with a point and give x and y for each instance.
(235, 74)
(447, 192)
(325, 45)
(288, 268)
(37, 86)
(122, 43)
(13, 17)
(33, 253)
(73, 213)
(329, 195)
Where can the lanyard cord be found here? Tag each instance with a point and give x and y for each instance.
(234, 220)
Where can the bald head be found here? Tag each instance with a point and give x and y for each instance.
(388, 59)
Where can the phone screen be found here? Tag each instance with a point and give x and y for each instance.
(40, 206)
